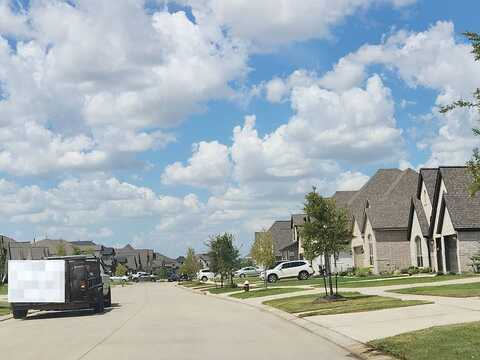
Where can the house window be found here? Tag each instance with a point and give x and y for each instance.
(418, 246)
(370, 248)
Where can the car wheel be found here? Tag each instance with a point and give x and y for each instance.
(303, 275)
(108, 299)
(19, 314)
(204, 279)
(272, 278)
(242, 275)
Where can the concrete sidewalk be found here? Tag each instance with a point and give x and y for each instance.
(366, 326)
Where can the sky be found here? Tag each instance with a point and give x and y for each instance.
(161, 123)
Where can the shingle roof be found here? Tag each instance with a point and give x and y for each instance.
(343, 197)
(281, 235)
(392, 210)
(373, 190)
(83, 243)
(429, 177)
(422, 217)
(464, 210)
(297, 219)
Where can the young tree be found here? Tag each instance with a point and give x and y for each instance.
(326, 231)
(121, 270)
(191, 265)
(474, 162)
(224, 256)
(61, 250)
(262, 251)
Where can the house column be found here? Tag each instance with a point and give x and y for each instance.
(444, 258)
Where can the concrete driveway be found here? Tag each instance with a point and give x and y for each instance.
(161, 321)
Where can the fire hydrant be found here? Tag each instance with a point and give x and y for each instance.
(246, 286)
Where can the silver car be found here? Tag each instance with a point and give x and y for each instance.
(247, 271)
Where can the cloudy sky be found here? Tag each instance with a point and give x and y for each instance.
(158, 123)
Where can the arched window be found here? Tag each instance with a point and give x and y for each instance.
(370, 248)
(418, 247)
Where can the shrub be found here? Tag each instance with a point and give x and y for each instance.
(412, 270)
(425, 270)
(404, 271)
(363, 272)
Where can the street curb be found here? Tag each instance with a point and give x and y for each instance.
(356, 348)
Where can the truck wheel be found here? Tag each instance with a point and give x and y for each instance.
(19, 314)
(100, 305)
(108, 299)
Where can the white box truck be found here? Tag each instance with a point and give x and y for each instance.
(57, 283)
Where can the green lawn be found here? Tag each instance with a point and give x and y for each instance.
(456, 290)
(450, 342)
(3, 289)
(4, 308)
(223, 290)
(341, 280)
(355, 302)
(264, 292)
(401, 281)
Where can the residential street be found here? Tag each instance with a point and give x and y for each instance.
(162, 321)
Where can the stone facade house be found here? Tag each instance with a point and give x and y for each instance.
(444, 223)
(380, 213)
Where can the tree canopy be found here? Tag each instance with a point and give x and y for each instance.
(224, 256)
(262, 251)
(191, 265)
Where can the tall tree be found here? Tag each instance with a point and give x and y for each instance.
(474, 162)
(191, 265)
(326, 231)
(262, 252)
(224, 256)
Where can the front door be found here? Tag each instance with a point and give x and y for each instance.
(358, 256)
(438, 243)
(451, 254)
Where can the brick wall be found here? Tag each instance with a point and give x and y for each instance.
(469, 244)
(393, 250)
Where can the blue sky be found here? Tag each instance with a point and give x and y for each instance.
(159, 124)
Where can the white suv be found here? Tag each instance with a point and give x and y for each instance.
(300, 269)
(205, 274)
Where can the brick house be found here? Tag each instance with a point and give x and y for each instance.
(444, 223)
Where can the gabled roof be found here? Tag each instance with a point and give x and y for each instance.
(464, 210)
(374, 189)
(297, 219)
(281, 234)
(429, 177)
(343, 197)
(422, 218)
(392, 210)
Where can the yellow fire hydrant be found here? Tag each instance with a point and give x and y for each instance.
(246, 286)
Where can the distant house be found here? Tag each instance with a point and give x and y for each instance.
(136, 259)
(444, 223)
(84, 246)
(56, 246)
(204, 260)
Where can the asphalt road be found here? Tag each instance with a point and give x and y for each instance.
(160, 321)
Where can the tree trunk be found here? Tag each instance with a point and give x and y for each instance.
(329, 272)
(265, 277)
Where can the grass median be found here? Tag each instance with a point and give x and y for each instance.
(403, 281)
(224, 290)
(455, 290)
(461, 341)
(311, 305)
(265, 292)
(4, 308)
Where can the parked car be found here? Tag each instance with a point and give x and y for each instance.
(205, 274)
(138, 274)
(119, 278)
(173, 277)
(247, 271)
(275, 264)
(300, 269)
(144, 277)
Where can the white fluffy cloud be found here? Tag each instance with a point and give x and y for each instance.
(93, 83)
(208, 167)
(432, 59)
(275, 22)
